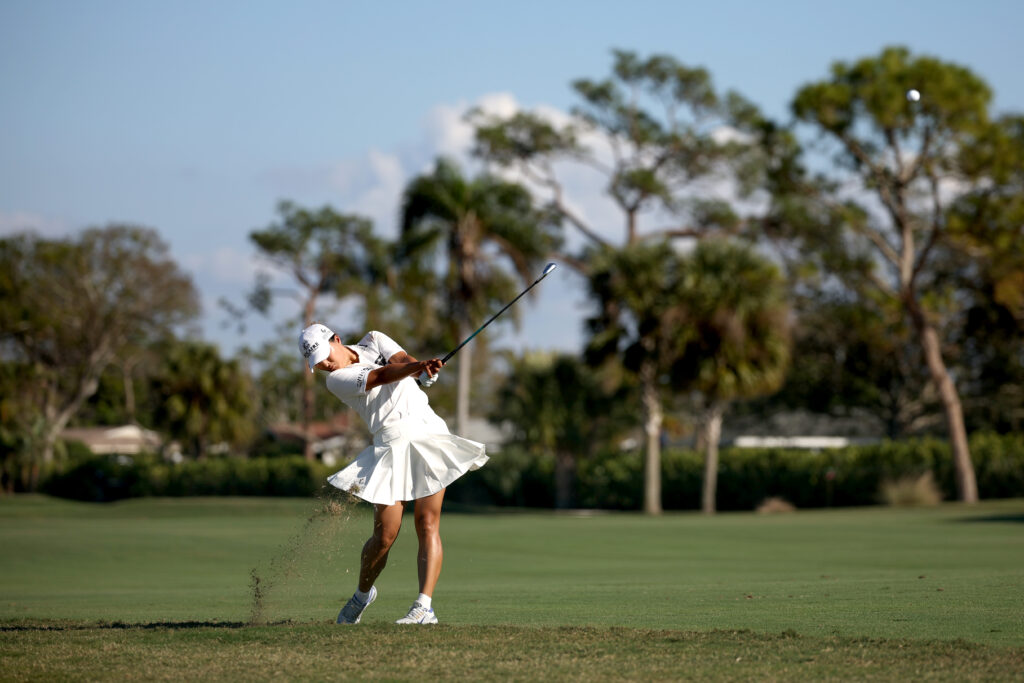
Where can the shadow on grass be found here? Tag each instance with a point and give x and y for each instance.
(1010, 518)
(120, 625)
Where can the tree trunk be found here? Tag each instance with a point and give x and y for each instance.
(307, 413)
(966, 484)
(462, 390)
(56, 419)
(565, 480)
(653, 419)
(711, 435)
(129, 392)
(307, 385)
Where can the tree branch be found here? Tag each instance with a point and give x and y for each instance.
(881, 284)
(922, 156)
(876, 238)
(547, 179)
(936, 222)
(882, 177)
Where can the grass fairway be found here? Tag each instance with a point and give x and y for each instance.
(165, 588)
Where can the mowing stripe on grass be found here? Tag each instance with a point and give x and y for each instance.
(952, 572)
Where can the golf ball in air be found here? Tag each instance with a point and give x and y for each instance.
(913, 95)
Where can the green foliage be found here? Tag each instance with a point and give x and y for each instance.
(109, 478)
(325, 252)
(468, 226)
(69, 308)
(553, 402)
(736, 330)
(848, 356)
(556, 409)
(207, 400)
(612, 478)
(658, 116)
(986, 264)
(897, 150)
(638, 292)
(876, 87)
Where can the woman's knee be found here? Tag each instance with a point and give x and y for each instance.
(428, 522)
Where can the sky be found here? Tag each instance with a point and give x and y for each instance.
(195, 118)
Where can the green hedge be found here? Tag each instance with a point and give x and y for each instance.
(612, 480)
(746, 477)
(106, 478)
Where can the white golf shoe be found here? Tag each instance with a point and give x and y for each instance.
(352, 612)
(418, 614)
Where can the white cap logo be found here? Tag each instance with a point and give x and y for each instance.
(314, 343)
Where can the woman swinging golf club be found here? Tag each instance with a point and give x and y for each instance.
(413, 456)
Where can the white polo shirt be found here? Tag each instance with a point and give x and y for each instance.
(388, 404)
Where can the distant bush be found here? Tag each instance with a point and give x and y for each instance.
(114, 477)
(613, 479)
(913, 490)
(748, 476)
(774, 506)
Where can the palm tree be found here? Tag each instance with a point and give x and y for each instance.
(640, 327)
(206, 400)
(476, 225)
(736, 344)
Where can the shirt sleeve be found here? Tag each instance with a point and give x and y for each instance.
(386, 346)
(349, 381)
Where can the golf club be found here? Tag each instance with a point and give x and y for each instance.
(547, 270)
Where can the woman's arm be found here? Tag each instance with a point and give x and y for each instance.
(401, 357)
(395, 371)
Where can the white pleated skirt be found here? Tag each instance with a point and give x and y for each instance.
(413, 460)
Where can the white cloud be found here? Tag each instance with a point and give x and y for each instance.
(371, 184)
(447, 132)
(724, 134)
(380, 199)
(223, 266)
(26, 221)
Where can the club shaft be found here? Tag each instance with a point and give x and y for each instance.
(491, 319)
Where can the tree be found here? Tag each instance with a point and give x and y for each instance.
(205, 400)
(660, 131)
(735, 338)
(71, 307)
(668, 147)
(899, 168)
(326, 254)
(557, 408)
(475, 224)
(987, 227)
(639, 325)
(856, 357)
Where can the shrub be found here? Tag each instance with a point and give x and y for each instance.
(106, 478)
(612, 479)
(911, 490)
(774, 505)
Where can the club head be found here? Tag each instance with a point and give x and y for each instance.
(548, 268)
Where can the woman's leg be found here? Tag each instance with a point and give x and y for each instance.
(387, 520)
(428, 530)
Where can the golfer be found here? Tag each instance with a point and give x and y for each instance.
(413, 456)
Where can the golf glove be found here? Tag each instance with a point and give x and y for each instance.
(428, 381)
